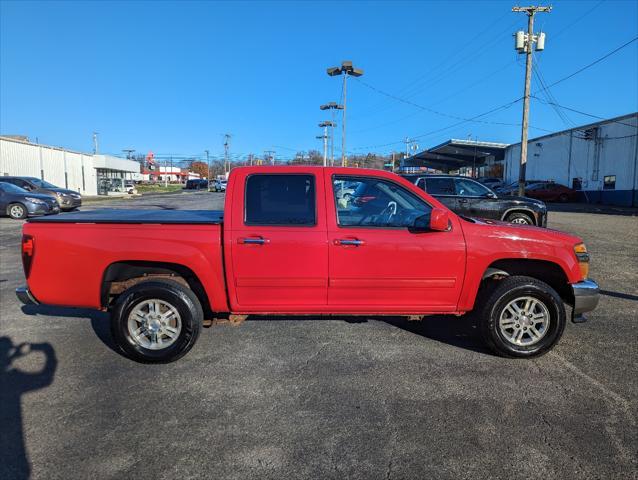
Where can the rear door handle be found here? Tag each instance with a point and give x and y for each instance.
(253, 241)
(349, 241)
(463, 200)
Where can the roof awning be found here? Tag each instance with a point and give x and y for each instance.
(454, 154)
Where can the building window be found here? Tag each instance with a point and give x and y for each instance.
(609, 182)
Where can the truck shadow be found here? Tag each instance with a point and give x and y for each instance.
(14, 383)
(99, 320)
(460, 332)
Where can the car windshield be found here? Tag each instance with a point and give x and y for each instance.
(42, 183)
(10, 188)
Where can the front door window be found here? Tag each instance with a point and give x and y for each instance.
(374, 202)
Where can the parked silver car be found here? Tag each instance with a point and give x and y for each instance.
(67, 199)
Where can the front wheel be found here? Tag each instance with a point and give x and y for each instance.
(520, 218)
(17, 211)
(522, 317)
(156, 321)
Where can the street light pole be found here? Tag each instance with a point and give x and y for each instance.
(332, 106)
(345, 70)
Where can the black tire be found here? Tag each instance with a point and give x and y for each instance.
(501, 293)
(181, 298)
(520, 218)
(14, 208)
(563, 198)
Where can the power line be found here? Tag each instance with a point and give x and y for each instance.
(584, 113)
(564, 29)
(493, 110)
(591, 64)
(421, 107)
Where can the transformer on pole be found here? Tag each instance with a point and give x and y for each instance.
(523, 43)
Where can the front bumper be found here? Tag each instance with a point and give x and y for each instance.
(42, 209)
(69, 203)
(586, 296)
(25, 296)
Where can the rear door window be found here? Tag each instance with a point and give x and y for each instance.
(280, 199)
(470, 188)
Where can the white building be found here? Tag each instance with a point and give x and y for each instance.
(85, 173)
(599, 159)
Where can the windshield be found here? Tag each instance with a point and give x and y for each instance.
(10, 188)
(42, 183)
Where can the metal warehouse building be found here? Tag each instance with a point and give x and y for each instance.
(600, 160)
(82, 172)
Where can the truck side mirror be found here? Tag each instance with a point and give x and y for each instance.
(439, 220)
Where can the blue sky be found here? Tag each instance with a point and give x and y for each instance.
(172, 77)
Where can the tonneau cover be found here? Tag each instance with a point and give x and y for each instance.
(191, 217)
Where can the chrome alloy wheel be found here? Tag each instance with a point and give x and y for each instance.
(520, 221)
(524, 321)
(154, 324)
(16, 211)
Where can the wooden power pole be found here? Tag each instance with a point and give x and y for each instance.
(524, 43)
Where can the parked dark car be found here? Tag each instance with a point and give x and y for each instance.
(551, 192)
(196, 184)
(67, 199)
(19, 203)
(468, 197)
(491, 182)
(512, 188)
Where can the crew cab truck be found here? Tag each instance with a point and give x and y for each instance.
(307, 240)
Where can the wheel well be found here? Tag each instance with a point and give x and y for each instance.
(545, 271)
(529, 213)
(120, 276)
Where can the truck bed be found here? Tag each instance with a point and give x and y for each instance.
(189, 217)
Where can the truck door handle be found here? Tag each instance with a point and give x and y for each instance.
(349, 241)
(253, 241)
(463, 200)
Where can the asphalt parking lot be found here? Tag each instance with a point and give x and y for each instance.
(324, 398)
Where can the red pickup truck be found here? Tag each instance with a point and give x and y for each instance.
(307, 240)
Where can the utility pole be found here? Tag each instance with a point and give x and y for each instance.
(523, 44)
(129, 152)
(208, 167)
(325, 137)
(250, 159)
(227, 137)
(345, 69)
(95, 150)
(269, 156)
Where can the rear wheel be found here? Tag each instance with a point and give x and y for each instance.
(520, 218)
(521, 317)
(156, 321)
(563, 198)
(17, 211)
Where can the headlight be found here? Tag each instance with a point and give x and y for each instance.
(35, 200)
(583, 259)
(59, 194)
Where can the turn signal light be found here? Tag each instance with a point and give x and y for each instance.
(583, 259)
(28, 250)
